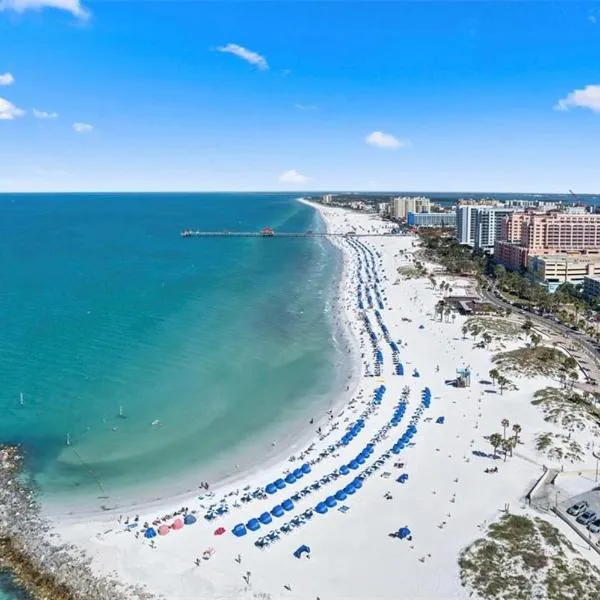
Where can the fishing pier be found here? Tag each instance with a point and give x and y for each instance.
(268, 232)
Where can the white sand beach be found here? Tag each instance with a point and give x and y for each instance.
(446, 501)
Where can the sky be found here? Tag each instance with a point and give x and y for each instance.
(476, 96)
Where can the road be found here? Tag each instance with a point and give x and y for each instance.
(562, 333)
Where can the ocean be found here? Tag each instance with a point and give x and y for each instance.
(146, 360)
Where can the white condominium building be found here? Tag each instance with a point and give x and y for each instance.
(480, 226)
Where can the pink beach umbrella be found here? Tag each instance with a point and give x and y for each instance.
(220, 531)
(163, 530)
(178, 524)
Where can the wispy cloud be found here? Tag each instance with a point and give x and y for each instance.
(306, 106)
(385, 140)
(82, 127)
(253, 58)
(292, 176)
(8, 111)
(42, 114)
(74, 7)
(7, 79)
(286, 72)
(588, 97)
(593, 19)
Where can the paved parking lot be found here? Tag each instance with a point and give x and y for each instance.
(593, 499)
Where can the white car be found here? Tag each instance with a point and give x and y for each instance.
(594, 526)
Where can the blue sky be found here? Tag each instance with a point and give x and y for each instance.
(436, 96)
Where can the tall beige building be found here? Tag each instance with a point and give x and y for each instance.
(401, 206)
(530, 234)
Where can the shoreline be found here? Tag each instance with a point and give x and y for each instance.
(448, 499)
(264, 458)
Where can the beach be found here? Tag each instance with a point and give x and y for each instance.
(379, 459)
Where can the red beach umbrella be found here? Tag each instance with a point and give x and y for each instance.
(220, 531)
(178, 524)
(163, 530)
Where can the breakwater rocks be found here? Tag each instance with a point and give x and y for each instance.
(47, 569)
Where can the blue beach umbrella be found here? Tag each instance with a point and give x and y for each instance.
(306, 468)
(349, 489)
(340, 495)
(277, 511)
(330, 501)
(150, 533)
(287, 504)
(321, 508)
(189, 519)
(265, 518)
(253, 524)
(279, 483)
(239, 530)
(290, 478)
(271, 488)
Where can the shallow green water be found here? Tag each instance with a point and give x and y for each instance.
(104, 309)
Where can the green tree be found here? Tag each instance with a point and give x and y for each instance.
(535, 338)
(505, 423)
(465, 330)
(507, 446)
(494, 374)
(516, 431)
(495, 441)
(527, 326)
(573, 376)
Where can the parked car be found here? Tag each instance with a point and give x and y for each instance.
(587, 517)
(578, 508)
(594, 526)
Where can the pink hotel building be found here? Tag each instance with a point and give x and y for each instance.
(531, 233)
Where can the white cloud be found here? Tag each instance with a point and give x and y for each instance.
(7, 79)
(82, 127)
(385, 140)
(42, 114)
(286, 72)
(306, 106)
(588, 97)
(72, 6)
(593, 19)
(292, 176)
(8, 111)
(252, 57)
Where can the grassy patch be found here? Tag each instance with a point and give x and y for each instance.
(534, 361)
(496, 326)
(568, 408)
(524, 558)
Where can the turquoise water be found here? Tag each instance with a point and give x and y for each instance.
(9, 590)
(105, 309)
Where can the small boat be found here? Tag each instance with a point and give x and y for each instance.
(21, 401)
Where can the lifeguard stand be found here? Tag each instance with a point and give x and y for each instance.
(464, 377)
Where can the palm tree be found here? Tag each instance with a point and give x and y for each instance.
(486, 338)
(527, 325)
(465, 330)
(516, 430)
(503, 382)
(495, 441)
(447, 312)
(505, 423)
(494, 374)
(507, 446)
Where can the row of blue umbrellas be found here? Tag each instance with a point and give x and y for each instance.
(290, 478)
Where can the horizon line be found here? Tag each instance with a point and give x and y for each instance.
(299, 192)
